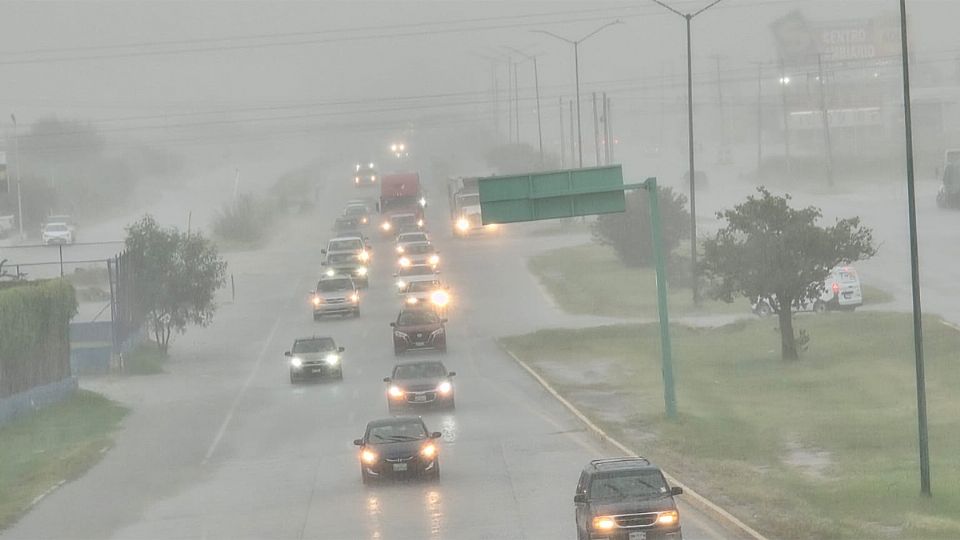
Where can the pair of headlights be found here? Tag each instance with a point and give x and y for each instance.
(331, 360)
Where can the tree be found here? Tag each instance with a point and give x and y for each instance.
(177, 276)
(770, 251)
(629, 232)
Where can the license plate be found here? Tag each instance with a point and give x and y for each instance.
(403, 467)
(638, 535)
(419, 343)
(316, 370)
(420, 398)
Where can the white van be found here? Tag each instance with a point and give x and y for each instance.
(841, 291)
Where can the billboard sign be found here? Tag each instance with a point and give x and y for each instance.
(799, 40)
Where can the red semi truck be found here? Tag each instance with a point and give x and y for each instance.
(400, 196)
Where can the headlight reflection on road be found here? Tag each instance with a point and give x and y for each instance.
(435, 511)
(374, 512)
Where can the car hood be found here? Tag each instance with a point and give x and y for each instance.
(313, 357)
(57, 233)
(419, 385)
(334, 295)
(633, 506)
(421, 328)
(398, 449)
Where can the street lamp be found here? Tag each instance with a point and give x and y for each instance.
(576, 72)
(16, 151)
(536, 85)
(694, 275)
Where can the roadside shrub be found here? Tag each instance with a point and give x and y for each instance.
(245, 219)
(629, 232)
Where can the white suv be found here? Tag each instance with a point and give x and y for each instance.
(841, 291)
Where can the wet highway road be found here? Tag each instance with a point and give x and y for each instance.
(223, 446)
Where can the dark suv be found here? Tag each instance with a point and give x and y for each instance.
(417, 328)
(625, 499)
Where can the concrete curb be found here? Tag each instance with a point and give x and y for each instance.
(698, 500)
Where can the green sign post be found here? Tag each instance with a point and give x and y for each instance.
(582, 192)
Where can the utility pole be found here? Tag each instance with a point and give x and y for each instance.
(573, 141)
(563, 141)
(606, 129)
(596, 130)
(784, 82)
(516, 100)
(721, 127)
(915, 264)
(510, 101)
(759, 117)
(610, 137)
(536, 86)
(576, 75)
(16, 153)
(694, 273)
(825, 117)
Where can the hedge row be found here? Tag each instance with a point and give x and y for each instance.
(35, 334)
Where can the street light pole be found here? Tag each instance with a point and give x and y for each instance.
(694, 274)
(915, 265)
(536, 86)
(576, 74)
(16, 152)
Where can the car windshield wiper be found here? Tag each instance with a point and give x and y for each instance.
(397, 438)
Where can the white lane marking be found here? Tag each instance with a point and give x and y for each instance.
(49, 490)
(243, 390)
(711, 506)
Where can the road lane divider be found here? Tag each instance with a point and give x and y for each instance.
(702, 503)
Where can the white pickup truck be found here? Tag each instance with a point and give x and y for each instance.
(7, 225)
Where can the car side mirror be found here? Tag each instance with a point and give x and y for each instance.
(676, 490)
(358, 442)
(341, 349)
(393, 324)
(387, 379)
(579, 498)
(287, 353)
(436, 435)
(452, 374)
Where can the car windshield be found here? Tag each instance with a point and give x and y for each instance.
(345, 245)
(416, 270)
(57, 227)
(417, 318)
(341, 258)
(423, 370)
(419, 249)
(355, 211)
(405, 220)
(470, 200)
(334, 285)
(314, 345)
(422, 286)
(398, 432)
(620, 485)
(847, 276)
(407, 238)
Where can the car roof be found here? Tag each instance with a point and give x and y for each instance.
(418, 278)
(620, 464)
(393, 420)
(411, 233)
(421, 243)
(311, 338)
(325, 277)
(418, 361)
(404, 214)
(346, 237)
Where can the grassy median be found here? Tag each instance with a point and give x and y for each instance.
(591, 280)
(57, 443)
(825, 447)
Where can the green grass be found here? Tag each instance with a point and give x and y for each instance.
(742, 409)
(591, 280)
(146, 359)
(57, 443)
(875, 295)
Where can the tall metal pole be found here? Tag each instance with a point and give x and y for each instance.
(606, 129)
(576, 74)
(516, 100)
(694, 275)
(573, 140)
(825, 118)
(16, 152)
(666, 353)
(722, 127)
(784, 81)
(610, 137)
(536, 86)
(759, 117)
(510, 101)
(915, 264)
(563, 140)
(596, 130)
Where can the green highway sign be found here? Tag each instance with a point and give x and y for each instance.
(551, 195)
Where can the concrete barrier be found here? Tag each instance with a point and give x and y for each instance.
(36, 398)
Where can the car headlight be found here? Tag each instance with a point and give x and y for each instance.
(445, 387)
(386, 226)
(400, 334)
(423, 202)
(437, 332)
(354, 298)
(317, 300)
(362, 271)
(429, 450)
(399, 249)
(604, 523)
(463, 224)
(332, 359)
(440, 298)
(434, 259)
(296, 361)
(668, 518)
(364, 256)
(331, 272)
(373, 178)
(364, 220)
(404, 262)
(412, 300)
(368, 456)
(419, 223)
(395, 392)
(401, 284)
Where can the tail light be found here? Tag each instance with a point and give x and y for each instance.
(835, 287)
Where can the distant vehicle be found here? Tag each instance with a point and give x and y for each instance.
(7, 225)
(417, 253)
(625, 498)
(353, 243)
(359, 212)
(346, 224)
(409, 237)
(346, 263)
(841, 291)
(419, 329)
(427, 293)
(948, 196)
(315, 357)
(398, 448)
(404, 223)
(366, 174)
(420, 383)
(412, 273)
(56, 233)
(464, 201)
(400, 193)
(335, 295)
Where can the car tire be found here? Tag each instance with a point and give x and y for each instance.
(364, 477)
(819, 306)
(451, 404)
(316, 317)
(396, 351)
(443, 350)
(340, 374)
(435, 475)
(356, 313)
(293, 378)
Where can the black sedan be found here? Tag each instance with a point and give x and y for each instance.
(398, 448)
(418, 328)
(420, 383)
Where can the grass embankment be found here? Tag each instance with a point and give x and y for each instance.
(58, 443)
(146, 359)
(825, 447)
(591, 280)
